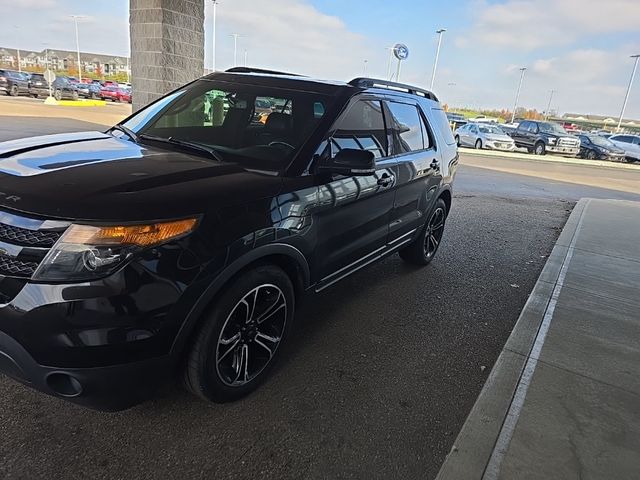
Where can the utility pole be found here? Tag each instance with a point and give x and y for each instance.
(626, 97)
(75, 20)
(213, 35)
(235, 47)
(435, 63)
(515, 105)
(546, 112)
(18, 52)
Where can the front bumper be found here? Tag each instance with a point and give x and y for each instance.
(110, 388)
(504, 146)
(563, 150)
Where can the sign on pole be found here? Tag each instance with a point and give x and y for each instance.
(50, 77)
(401, 52)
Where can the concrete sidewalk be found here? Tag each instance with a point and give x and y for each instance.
(563, 399)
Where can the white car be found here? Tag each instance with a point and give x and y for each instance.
(483, 135)
(629, 143)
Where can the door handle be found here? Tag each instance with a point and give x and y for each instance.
(386, 180)
(435, 165)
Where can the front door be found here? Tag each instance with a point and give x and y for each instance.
(354, 212)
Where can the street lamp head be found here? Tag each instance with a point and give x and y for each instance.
(442, 30)
(636, 56)
(522, 69)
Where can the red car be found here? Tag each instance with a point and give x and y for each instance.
(115, 94)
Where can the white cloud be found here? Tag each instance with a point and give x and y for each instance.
(299, 38)
(531, 24)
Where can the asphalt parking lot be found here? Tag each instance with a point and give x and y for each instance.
(378, 380)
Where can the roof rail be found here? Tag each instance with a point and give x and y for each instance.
(363, 82)
(259, 70)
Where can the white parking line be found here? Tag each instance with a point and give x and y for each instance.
(506, 432)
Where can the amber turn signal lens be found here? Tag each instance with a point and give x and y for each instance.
(141, 235)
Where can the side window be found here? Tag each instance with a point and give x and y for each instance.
(533, 128)
(523, 126)
(405, 127)
(636, 140)
(362, 128)
(442, 124)
(426, 136)
(622, 138)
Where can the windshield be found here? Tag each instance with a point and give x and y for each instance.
(552, 128)
(260, 126)
(491, 129)
(600, 141)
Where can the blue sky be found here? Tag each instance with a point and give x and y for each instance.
(579, 48)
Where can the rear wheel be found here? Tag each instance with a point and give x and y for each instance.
(591, 155)
(540, 148)
(238, 344)
(457, 140)
(478, 144)
(422, 250)
(74, 95)
(57, 95)
(14, 91)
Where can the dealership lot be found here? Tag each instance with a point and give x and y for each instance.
(382, 371)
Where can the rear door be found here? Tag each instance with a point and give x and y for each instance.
(418, 167)
(519, 135)
(354, 212)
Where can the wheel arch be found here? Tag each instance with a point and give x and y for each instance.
(285, 256)
(446, 196)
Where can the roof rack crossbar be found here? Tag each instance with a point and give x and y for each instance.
(259, 70)
(364, 82)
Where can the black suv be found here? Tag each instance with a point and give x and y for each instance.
(542, 137)
(13, 83)
(181, 240)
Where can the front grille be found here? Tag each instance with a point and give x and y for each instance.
(31, 238)
(567, 142)
(13, 267)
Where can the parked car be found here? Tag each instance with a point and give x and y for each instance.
(63, 88)
(542, 137)
(629, 143)
(115, 94)
(596, 147)
(484, 135)
(38, 86)
(185, 245)
(13, 83)
(88, 90)
(456, 120)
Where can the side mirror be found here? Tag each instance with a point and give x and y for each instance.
(351, 162)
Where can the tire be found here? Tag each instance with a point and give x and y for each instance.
(14, 91)
(422, 250)
(457, 140)
(74, 95)
(224, 379)
(591, 155)
(478, 144)
(57, 95)
(540, 148)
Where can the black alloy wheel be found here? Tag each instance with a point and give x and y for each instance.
(239, 342)
(423, 249)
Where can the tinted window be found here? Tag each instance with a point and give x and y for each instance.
(405, 127)
(442, 124)
(362, 128)
(533, 128)
(622, 138)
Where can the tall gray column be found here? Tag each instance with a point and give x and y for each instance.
(167, 46)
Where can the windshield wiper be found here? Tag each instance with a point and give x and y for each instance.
(126, 130)
(183, 143)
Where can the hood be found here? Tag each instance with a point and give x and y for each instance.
(95, 176)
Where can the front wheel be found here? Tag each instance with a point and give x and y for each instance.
(457, 140)
(540, 149)
(57, 95)
(14, 91)
(478, 144)
(238, 343)
(591, 155)
(422, 250)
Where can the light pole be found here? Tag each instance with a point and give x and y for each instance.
(246, 57)
(451, 85)
(515, 105)
(626, 97)
(235, 47)
(435, 63)
(390, 61)
(546, 113)
(364, 68)
(18, 52)
(213, 35)
(75, 20)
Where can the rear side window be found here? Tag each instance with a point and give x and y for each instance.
(442, 124)
(405, 127)
(622, 138)
(362, 128)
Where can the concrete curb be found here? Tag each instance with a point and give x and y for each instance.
(82, 103)
(475, 443)
(548, 158)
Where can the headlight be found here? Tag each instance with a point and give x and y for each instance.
(553, 141)
(87, 252)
